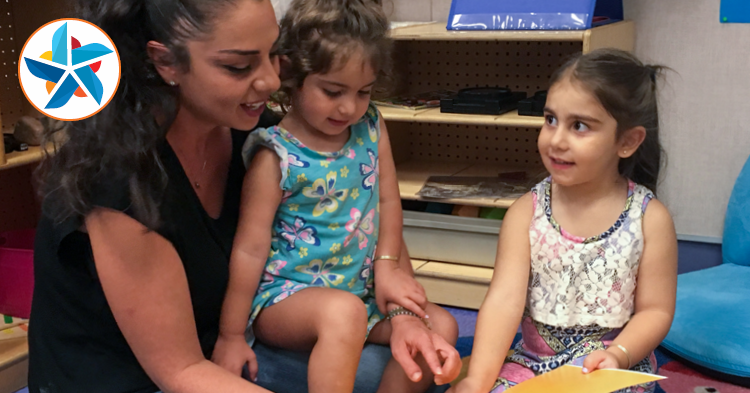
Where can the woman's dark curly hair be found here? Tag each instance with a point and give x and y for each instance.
(121, 142)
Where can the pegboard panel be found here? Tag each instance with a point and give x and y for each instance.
(18, 20)
(512, 146)
(12, 100)
(19, 208)
(519, 65)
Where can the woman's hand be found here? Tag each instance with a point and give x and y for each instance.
(410, 337)
(232, 353)
(598, 360)
(395, 285)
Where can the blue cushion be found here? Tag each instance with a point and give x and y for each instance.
(736, 244)
(712, 322)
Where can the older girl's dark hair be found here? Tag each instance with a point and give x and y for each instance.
(121, 142)
(627, 89)
(318, 35)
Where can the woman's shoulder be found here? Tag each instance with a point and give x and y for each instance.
(57, 222)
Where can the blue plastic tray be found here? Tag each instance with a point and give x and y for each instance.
(532, 14)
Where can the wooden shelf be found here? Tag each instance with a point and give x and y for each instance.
(617, 35)
(13, 351)
(413, 174)
(18, 158)
(433, 115)
(458, 272)
(417, 263)
(438, 31)
(14, 364)
(454, 284)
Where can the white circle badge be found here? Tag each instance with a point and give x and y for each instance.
(69, 69)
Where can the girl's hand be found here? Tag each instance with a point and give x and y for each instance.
(232, 353)
(394, 285)
(411, 337)
(449, 358)
(598, 360)
(467, 385)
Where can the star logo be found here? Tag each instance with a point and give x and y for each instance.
(69, 69)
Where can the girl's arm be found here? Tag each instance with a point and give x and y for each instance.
(393, 283)
(144, 280)
(391, 216)
(502, 309)
(261, 197)
(655, 295)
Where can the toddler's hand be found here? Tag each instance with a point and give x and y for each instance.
(598, 360)
(394, 285)
(232, 353)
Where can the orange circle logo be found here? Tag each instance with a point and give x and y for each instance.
(69, 69)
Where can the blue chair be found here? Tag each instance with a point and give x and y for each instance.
(711, 327)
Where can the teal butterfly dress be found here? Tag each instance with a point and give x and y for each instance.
(326, 228)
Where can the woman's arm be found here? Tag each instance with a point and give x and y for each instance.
(655, 295)
(502, 309)
(261, 197)
(144, 280)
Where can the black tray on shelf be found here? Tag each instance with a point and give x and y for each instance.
(482, 101)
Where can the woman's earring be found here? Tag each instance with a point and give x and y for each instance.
(171, 83)
(624, 152)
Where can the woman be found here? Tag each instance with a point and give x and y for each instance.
(141, 205)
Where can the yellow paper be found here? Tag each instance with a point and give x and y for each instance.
(570, 379)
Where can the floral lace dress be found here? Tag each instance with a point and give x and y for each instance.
(581, 291)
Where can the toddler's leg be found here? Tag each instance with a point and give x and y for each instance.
(394, 378)
(330, 321)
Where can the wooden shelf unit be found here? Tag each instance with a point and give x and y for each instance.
(428, 143)
(433, 115)
(14, 363)
(18, 158)
(18, 20)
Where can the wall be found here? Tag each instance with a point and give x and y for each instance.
(705, 110)
(705, 114)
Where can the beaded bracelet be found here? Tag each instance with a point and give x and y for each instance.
(402, 311)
